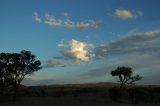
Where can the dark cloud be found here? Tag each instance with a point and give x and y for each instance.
(133, 41)
(100, 51)
(53, 63)
(30, 82)
(138, 43)
(151, 80)
(58, 57)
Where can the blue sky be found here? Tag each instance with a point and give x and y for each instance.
(81, 41)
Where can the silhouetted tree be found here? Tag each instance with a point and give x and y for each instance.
(15, 66)
(125, 76)
(2, 83)
(3, 73)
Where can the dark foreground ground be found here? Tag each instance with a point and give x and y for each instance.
(87, 95)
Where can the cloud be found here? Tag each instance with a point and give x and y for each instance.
(70, 24)
(66, 14)
(126, 14)
(78, 51)
(133, 41)
(58, 57)
(88, 24)
(101, 51)
(140, 51)
(67, 22)
(141, 43)
(52, 21)
(53, 63)
(137, 43)
(141, 64)
(61, 44)
(33, 82)
(139, 13)
(82, 25)
(36, 78)
(36, 17)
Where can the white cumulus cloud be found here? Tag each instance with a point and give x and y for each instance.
(124, 14)
(79, 51)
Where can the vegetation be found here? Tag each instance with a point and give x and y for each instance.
(125, 76)
(87, 95)
(13, 68)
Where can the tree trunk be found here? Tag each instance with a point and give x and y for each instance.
(121, 86)
(16, 88)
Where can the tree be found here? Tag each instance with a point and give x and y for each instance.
(125, 76)
(2, 74)
(15, 66)
(4, 61)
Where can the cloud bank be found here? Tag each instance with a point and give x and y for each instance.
(137, 43)
(141, 51)
(141, 43)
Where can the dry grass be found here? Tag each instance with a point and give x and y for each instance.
(76, 96)
(64, 101)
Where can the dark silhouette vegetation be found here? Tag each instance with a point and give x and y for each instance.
(13, 68)
(136, 95)
(121, 94)
(125, 76)
(101, 94)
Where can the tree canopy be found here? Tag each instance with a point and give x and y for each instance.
(125, 75)
(15, 66)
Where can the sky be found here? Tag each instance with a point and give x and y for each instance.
(82, 41)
